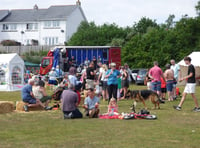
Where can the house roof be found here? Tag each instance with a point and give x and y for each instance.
(29, 15)
(3, 14)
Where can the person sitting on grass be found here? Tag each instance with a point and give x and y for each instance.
(29, 99)
(40, 93)
(112, 107)
(91, 104)
(69, 103)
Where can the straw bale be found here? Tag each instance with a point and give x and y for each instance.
(20, 104)
(6, 106)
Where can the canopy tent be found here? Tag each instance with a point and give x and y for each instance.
(184, 68)
(11, 72)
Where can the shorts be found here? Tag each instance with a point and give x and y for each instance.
(30, 100)
(174, 84)
(89, 83)
(163, 90)
(190, 88)
(104, 85)
(170, 84)
(125, 83)
(156, 86)
(45, 98)
(54, 82)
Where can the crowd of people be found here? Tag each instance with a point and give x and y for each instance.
(101, 80)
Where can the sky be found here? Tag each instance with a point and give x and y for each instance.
(121, 12)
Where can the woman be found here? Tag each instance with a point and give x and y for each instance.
(39, 92)
(125, 82)
(103, 80)
(112, 75)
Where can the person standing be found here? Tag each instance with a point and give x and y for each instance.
(177, 73)
(112, 75)
(90, 76)
(155, 73)
(190, 86)
(69, 103)
(103, 81)
(169, 77)
(125, 82)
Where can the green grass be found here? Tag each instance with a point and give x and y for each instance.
(48, 129)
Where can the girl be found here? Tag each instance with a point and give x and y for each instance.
(112, 107)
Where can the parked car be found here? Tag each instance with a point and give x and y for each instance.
(141, 76)
(134, 74)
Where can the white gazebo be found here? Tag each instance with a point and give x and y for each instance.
(11, 72)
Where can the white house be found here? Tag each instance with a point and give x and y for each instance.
(52, 26)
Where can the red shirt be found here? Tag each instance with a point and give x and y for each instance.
(156, 73)
(163, 83)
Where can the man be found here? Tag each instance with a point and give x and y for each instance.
(90, 76)
(91, 104)
(29, 99)
(190, 86)
(69, 103)
(95, 62)
(169, 77)
(176, 68)
(155, 73)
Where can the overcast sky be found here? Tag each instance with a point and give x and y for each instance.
(121, 12)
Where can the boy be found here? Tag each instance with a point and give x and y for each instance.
(190, 86)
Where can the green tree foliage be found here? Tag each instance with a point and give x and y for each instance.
(89, 34)
(146, 41)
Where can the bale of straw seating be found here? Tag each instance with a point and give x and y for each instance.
(20, 107)
(6, 107)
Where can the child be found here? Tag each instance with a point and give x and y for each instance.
(119, 88)
(163, 89)
(112, 107)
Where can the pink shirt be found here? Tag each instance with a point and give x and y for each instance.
(156, 73)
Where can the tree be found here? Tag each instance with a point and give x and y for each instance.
(197, 7)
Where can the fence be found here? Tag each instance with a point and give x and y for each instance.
(22, 49)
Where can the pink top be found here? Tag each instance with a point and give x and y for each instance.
(156, 73)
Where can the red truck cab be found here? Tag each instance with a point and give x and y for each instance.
(46, 65)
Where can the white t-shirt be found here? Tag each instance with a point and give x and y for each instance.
(103, 74)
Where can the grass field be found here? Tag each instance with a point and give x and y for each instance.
(47, 129)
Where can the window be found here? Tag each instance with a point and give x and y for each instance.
(16, 75)
(32, 26)
(51, 40)
(47, 24)
(51, 24)
(9, 27)
(45, 63)
(2, 75)
(56, 23)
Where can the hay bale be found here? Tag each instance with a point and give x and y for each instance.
(6, 107)
(20, 107)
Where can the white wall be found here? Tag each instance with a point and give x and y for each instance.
(73, 23)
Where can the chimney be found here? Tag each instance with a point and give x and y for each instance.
(78, 3)
(35, 7)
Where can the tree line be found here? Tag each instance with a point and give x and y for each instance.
(145, 41)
